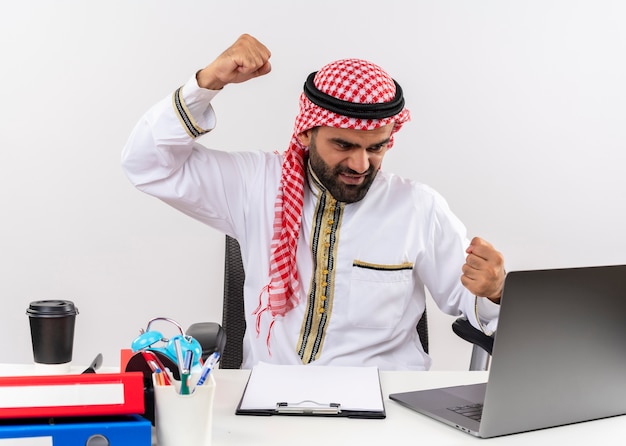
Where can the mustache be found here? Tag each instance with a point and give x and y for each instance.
(348, 171)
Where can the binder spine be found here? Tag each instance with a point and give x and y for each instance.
(131, 430)
(47, 396)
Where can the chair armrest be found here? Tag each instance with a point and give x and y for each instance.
(469, 333)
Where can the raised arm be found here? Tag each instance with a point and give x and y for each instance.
(162, 157)
(245, 59)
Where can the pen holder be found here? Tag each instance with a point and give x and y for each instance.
(184, 419)
(137, 363)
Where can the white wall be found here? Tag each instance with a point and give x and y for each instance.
(518, 119)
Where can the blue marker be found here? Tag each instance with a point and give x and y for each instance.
(188, 360)
(207, 367)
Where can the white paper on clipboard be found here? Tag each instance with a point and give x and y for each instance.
(352, 389)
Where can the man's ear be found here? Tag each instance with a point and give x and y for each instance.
(305, 137)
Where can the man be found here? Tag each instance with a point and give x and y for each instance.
(337, 252)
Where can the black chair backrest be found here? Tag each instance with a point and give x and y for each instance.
(422, 331)
(233, 317)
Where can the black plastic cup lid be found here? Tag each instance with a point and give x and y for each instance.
(52, 308)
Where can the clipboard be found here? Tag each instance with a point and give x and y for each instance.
(309, 390)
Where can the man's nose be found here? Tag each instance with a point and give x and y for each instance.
(359, 161)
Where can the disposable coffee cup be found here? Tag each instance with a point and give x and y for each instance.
(184, 419)
(52, 331)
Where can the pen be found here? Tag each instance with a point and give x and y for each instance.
(158, 377)
(155, 363)
(188, 361)
(207, 367)
(169, 375)
(179, 355)
(184, 376)
(184, 383)
(167, 378)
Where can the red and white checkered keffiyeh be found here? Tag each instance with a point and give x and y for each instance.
(353, 81)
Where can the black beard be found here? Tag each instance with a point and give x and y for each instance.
(346, 193)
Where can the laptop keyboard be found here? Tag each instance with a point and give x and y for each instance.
(473, 411)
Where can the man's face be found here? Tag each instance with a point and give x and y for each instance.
(346, 160)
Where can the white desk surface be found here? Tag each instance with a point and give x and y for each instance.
(401, 423)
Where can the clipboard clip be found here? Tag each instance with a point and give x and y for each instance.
(308, 407)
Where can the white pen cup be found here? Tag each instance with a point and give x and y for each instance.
(184, 419)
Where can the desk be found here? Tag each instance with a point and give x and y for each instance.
(401, 423)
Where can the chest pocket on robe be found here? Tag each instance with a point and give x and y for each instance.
(379, 293)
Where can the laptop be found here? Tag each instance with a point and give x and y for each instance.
(559, 357)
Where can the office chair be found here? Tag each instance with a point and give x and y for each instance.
(234, 324)
(482, 344)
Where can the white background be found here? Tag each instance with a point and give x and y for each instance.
(518, 120)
